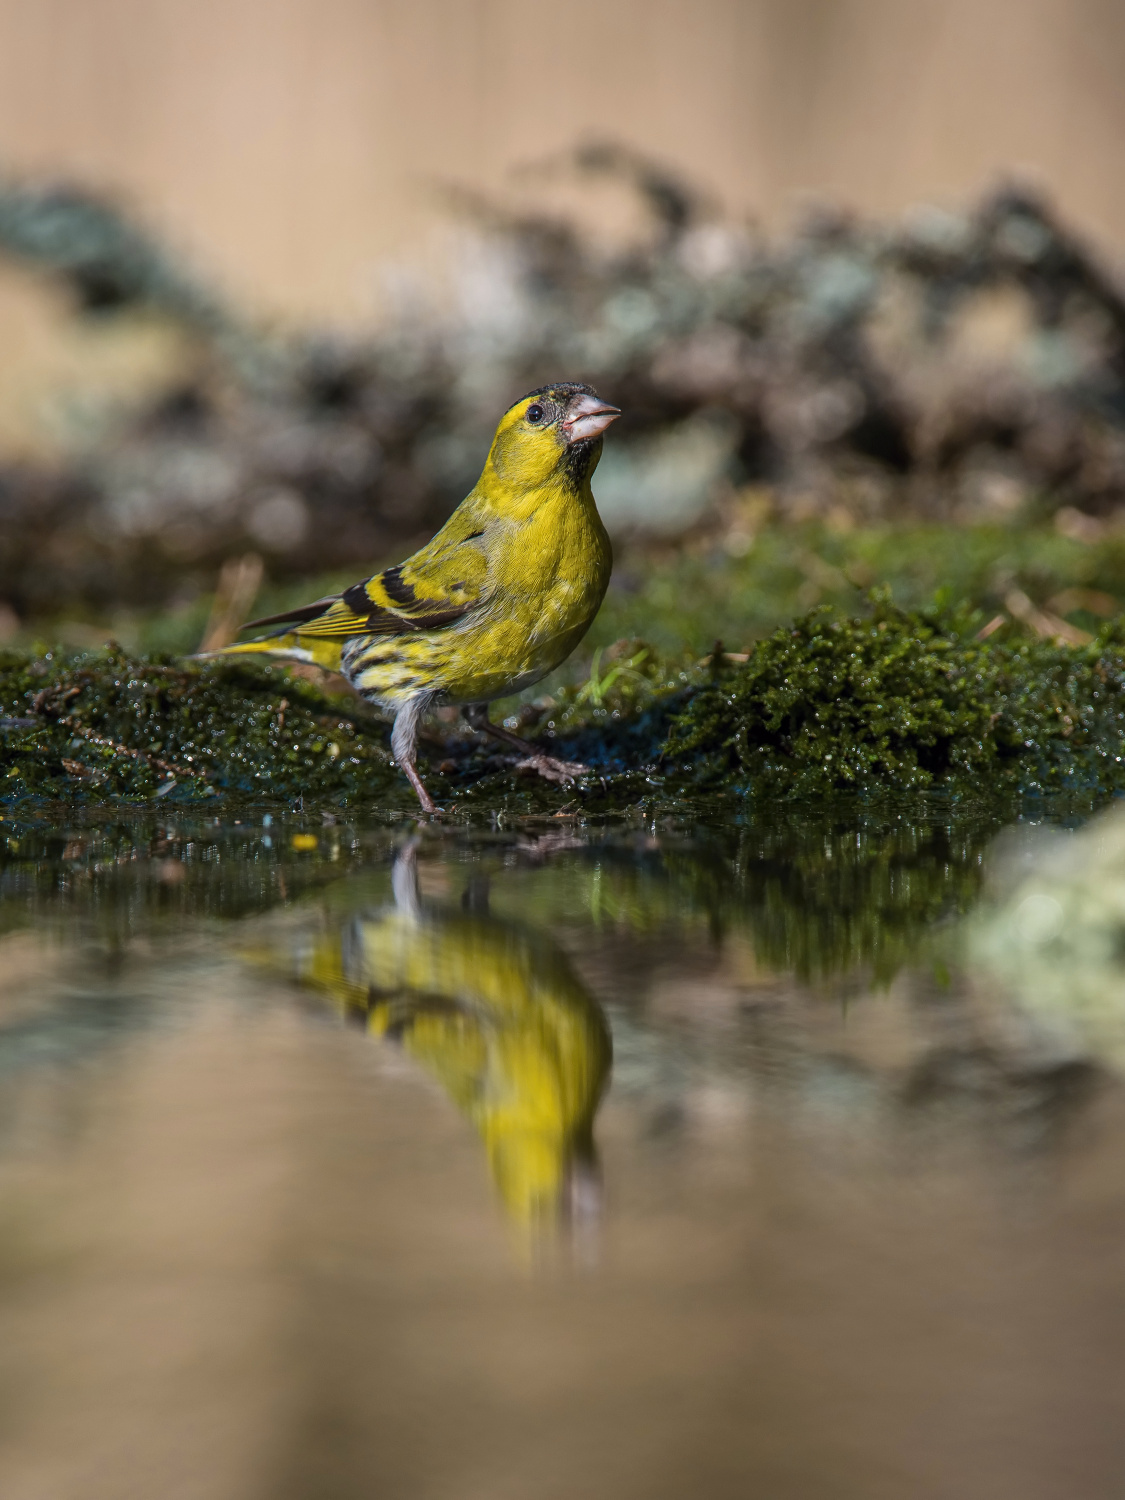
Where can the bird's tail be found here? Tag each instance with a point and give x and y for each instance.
(290, 645)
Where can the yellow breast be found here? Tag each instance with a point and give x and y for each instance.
(548, 565)
(548, 573)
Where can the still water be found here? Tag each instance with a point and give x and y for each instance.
(776, 1155)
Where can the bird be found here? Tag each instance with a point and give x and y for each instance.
(499, 597)
(495, 1013)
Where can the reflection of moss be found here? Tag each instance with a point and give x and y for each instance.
(817, 889)
(908, 701)
(834, 893)
(116, 874)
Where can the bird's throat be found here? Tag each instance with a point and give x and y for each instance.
(580, 460)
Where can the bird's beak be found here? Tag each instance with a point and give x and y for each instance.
(587, 418)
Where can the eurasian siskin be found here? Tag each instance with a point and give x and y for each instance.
(496, 600)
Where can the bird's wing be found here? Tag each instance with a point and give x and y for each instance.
(434, 588)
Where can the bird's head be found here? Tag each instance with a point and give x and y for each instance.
(555, 431)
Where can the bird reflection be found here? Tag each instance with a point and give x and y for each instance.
(496, 1014)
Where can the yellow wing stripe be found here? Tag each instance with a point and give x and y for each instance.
(384, 605)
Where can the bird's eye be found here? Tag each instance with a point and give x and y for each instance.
(534, 413)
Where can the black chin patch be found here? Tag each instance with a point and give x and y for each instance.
(578, 459)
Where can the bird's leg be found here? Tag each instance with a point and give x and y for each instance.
(416, 782)
(404, 738)
(476, 714)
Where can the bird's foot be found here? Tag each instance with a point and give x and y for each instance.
(551, 769)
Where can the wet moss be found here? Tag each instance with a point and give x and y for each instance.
(907, 701)
(106, 726)
(891, 702)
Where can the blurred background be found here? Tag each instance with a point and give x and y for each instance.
(292, 146)
(269, 272)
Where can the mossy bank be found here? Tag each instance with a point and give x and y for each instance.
(909, 701)
(886, 702)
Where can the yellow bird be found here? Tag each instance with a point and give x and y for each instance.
(496, 600)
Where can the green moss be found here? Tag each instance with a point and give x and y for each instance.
(106, 726)
(682, 598)
(907, 701)
(697, 593)
(893, 702)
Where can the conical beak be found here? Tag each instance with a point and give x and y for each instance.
(587, 418)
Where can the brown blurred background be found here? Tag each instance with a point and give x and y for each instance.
(293, 153)
(290, 144)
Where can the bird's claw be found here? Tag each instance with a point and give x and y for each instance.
(551, 769)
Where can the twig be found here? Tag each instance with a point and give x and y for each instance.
(147, 756)
(42, 709)
(239, 582)
(992, 627)
(1049, 626)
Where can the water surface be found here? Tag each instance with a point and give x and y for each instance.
(537, 1159)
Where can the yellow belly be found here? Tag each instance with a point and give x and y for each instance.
(469, 665)
(541, 598)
